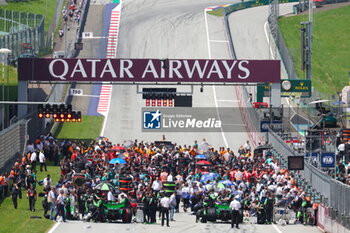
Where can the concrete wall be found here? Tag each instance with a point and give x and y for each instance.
(327, 224)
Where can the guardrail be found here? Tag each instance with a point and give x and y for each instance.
(335, 194)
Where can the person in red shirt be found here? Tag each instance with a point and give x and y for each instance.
(248, 175)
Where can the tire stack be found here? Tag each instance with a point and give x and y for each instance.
(125, 184)
(169, 187)
(346, 134)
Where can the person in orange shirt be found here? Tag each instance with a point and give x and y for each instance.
(24, 159)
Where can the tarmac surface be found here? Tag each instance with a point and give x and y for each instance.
(172, 29)
(185, 223)
(177, 29)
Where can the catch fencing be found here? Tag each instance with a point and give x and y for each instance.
(12, 138)
(13, 142)
(19, 28)
(334, 194)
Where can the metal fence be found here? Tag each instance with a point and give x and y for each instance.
(13, 142)
(14, 138)
(340, 202)
(19, 28)
(334, 194)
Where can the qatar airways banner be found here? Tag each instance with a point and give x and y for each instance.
(149, 70)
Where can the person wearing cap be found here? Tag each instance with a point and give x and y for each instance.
(235, 206)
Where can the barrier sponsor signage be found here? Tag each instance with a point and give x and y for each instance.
(328, 160)
(295, 87)
(289, 87)
(149, 70)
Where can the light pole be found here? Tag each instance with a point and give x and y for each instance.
(4, 52)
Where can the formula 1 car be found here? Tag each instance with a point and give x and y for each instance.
(114, 211)
(111, 211)
(213, 213)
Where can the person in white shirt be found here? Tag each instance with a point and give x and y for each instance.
(279, 191)
(47, 181)
(157, 185)
(64, 189)
(235, 206)
(186, 196)
(51, 198)
(170, 177)
(179, 179)
(33, 158)
(110, 196)
(165, 205)
(247, 146)
(341, 149)
(42, 161)
(60, 205)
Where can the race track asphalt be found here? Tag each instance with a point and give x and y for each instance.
(177, 29)
(172, 29)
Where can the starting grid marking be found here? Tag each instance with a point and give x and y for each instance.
(106, 90)
(105, 99)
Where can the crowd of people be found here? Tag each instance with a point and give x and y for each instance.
(72, 14)
(343, 161)
(255, 180)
